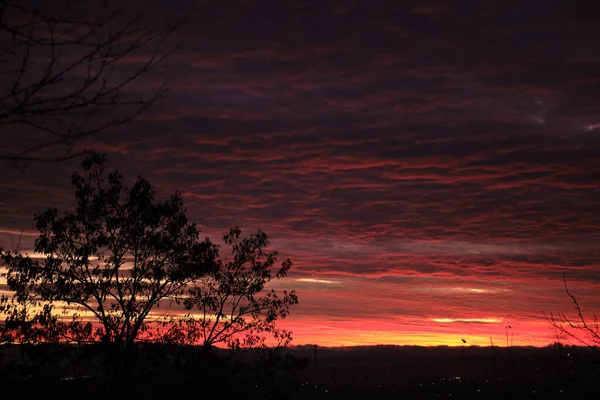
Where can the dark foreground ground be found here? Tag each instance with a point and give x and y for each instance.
(381, 372)
(450, 373)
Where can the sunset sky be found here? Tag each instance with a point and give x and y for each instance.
(431, 168)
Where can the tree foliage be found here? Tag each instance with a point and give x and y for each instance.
(231, 304)
(67, 71)
(99, 273)
(112, 261)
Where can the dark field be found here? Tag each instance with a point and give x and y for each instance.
(455, 373)
(380, 372)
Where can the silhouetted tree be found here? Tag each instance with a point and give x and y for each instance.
(111, 261)
(580, 329)
(232, 304)
(67, 71)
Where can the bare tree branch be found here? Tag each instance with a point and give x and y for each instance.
(67, 72)
(581, 330)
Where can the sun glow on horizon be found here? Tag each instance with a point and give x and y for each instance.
(467, 320)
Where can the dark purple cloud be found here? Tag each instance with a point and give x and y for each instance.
(453, 145)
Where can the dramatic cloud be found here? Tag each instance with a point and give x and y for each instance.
(431, 169)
